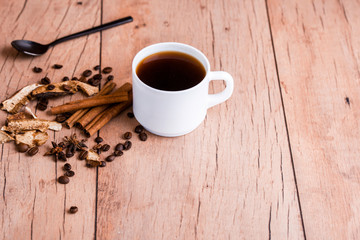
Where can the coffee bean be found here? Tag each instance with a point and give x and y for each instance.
(69, 173)
(45, 81)
(97, 146)
(60, 118)
(50, 87)
(110, 77)
(89, 165)
(70, 151)
(105, 148)
(74, 79)
(97, 76)
(65, 79)
(143, 136)
(79, 3)
(37, 70)
(127, 135)
(119, 147)
(130, 115)
(22, 147)
(82, 79)
(66, 88)
(73, 209)
(94, 82)
(99, 140)
(62, 145)
(43, 101)
(107, 70)
(32, 151)
(127, 145)
(83, 155)
(41, 106)
(87, 73)
(97, 67)
(63, 180)
(110, 158)
(103, 164)
(139, 129)
(67, 167)
(118, 153)
(57, 66)
(62, 156)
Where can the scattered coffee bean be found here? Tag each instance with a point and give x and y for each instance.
(37, 70)
(45, 81)
(69, 173)
(70, 151)
(66, 88)
(118, 153)
(103, 164)
(32, 151)
(79, 3)
(41, 106)
(139, 129)
(83, 155)
(105, 148)
(119, 147)
(99, 140)
(110, 77)
(97, 146)
(60, 118)
(82, 79)
(74, 78)
(127, 145)
(94, 82)
(89, 165)
(22, 147)
(107, 70)
(110, 158)
(97, 67)
(97, 76)
(62, 156)
(127, 135)
(67, 167)
(43, 101)
(50, 87)
(65, 79)
(63, 180)
(143, 136)
(87, 73)
(73, 209)
(130, 115)
(57, 66)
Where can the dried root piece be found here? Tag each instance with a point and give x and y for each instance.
(64, 88)
(93, 159)
(16, 126)
(19, 99)
(4, 137)
(31, 138)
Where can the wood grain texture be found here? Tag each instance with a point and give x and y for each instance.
(317, 52)
(232, 177)
(33, 205)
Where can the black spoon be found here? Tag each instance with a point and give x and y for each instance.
(36, 49)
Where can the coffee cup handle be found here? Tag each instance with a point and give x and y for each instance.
(222, 96)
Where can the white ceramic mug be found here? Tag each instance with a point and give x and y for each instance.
(175, 113)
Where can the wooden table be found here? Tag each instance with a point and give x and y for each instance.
(278, 160)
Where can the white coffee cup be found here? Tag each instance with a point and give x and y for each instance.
(175, 113)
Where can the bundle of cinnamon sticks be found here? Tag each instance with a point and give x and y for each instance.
(93, 113)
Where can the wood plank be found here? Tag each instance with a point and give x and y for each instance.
(317, 51)
(230, 178)
(33, 205)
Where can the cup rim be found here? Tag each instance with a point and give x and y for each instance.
(207, 67)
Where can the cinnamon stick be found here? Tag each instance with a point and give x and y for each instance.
(107, 115)
(94, 112)
(107, 88)
(90, 102)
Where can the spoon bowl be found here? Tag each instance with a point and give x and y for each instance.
(30, 47)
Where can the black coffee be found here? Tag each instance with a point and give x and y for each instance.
(170, 71)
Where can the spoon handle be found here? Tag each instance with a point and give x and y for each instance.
(93, 30)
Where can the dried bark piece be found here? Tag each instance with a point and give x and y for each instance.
(4, 137)
(19, 99)
(64, 88)
(93, 158)
(21, 125)
(31, 138)
(20, 116)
